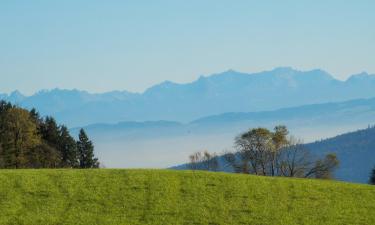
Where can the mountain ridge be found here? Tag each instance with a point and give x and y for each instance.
(362, 74)
(230, 91)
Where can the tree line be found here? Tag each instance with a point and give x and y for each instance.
(372, 177)
(264, 152)
(28, 140)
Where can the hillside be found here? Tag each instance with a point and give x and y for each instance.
(349, 112)
(229, 91)
(356, 151)
(177, 197)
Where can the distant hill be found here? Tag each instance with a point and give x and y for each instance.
(355, 150)
(335, 112)
(105, 196)
(229, 91)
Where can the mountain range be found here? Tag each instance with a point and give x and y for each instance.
(225, 92)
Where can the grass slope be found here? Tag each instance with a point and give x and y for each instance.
(177, 197)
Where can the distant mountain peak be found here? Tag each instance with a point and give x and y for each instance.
(226, 74)
(165, 85)
(361, 77)
(16, 93)
(16, 96)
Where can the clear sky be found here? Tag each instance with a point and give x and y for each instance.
(99, 45)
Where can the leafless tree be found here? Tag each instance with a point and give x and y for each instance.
(294, 160)
(297, 161)
(195, 159)
(204, 161)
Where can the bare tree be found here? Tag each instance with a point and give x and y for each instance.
(294, 160)
(195, 159)
(204, 161)
(297, 161)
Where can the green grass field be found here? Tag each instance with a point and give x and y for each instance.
(165, 197)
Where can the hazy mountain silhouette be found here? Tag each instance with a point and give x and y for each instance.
(229, 91)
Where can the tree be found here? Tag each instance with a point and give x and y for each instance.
(255, 147)
(67, 147)
(18, 134)
(2, 162)
(372, 177)
(195, 160)
(203, 161)
(210, 161)
(295, 160)
(273, 153)
(5, 106)
(86, 152)
(280, 141)
(43, 156)
(50, 132)
(324, 168)
(35, 116)
(29, 141)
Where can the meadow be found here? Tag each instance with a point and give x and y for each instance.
(110, 196)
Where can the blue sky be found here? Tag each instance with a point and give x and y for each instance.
(100, 45)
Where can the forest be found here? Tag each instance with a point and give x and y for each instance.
(28, 140)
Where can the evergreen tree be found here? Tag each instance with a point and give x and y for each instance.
(35, 117)
(68, 148)
(86, 152)
(50, 132)
(372, 177)
(5, 106)
(2, 162)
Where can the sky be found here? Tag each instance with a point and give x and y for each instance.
(99, 46)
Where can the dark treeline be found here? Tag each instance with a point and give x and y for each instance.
(372, 177)
(29, 141)
(263, 152)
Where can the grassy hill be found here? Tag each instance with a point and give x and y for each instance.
(177, 197)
